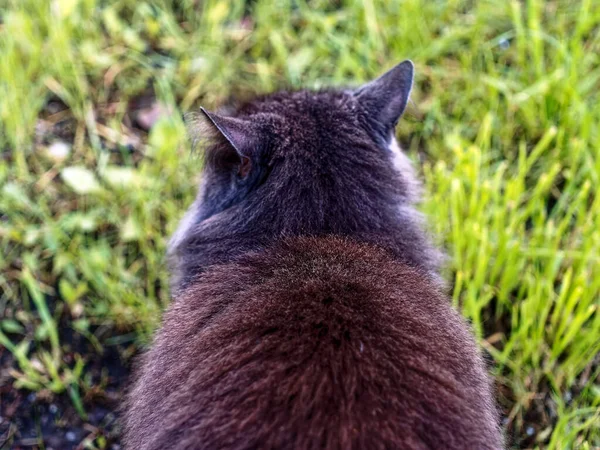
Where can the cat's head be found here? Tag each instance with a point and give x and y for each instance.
(304, 162)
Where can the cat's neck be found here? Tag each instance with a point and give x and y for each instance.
(206, 244)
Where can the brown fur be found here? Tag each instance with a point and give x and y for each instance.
(316, 343)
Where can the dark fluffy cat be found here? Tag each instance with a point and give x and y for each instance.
(308, 311)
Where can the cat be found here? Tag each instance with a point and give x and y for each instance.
(308, 311)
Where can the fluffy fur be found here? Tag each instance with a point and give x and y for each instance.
(307, 308)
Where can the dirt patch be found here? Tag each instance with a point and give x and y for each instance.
(42, 420)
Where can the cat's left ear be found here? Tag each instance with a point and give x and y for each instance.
(241, 136)
(385, 98)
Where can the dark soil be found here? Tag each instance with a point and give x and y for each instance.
(47, 421)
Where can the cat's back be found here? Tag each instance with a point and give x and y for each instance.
(317, 343)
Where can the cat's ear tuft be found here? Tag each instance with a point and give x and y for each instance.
(385, 98)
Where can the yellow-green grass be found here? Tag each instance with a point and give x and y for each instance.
(504, 126)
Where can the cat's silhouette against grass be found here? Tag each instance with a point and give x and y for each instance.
(307, 310)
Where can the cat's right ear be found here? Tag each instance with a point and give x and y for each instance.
(385, 98)
(232, 141)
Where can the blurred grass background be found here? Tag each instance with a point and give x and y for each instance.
(95, 172)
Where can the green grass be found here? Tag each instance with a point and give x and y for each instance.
(505, 118)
